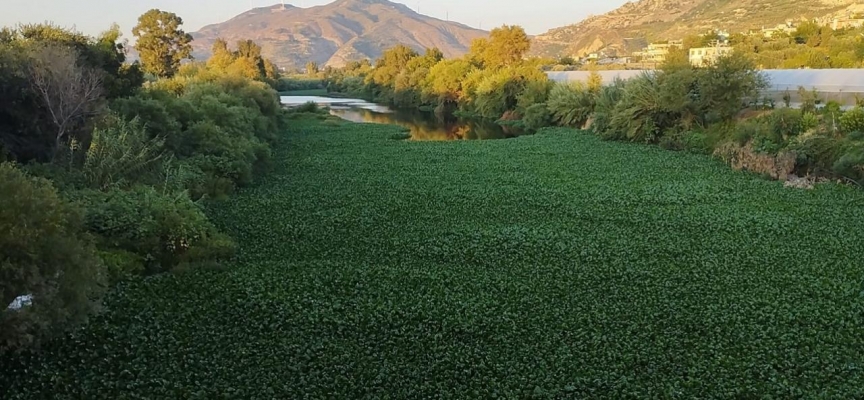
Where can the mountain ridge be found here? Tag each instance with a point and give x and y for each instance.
(631, 26)
(336, 33)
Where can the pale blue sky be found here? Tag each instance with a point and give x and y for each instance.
(94, 16)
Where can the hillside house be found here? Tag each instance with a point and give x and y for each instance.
(705, 56)
(846, 23)
(787, 28)
(657, 52)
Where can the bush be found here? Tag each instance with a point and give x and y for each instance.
(678, 98)
(853, 120)
(46, 254)
(286, 84)
(851, 164)
(786, 123)
(308, 107)
(722, 90)
(607, 99)
(809, 99)
(571, 104)
(536, 116)
(640, 115)
(535, 92)
(162, 230)
(219, 129)
(698, 142)
(809, 121)
(122, 154)
(832, 108)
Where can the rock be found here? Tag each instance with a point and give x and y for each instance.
(793, 181)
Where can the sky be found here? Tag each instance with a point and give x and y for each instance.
(94, 16)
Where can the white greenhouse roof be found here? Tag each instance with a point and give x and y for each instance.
(829, 80)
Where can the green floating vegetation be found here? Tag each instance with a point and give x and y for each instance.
(549, 266)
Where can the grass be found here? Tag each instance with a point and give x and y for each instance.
(305, 92)
(546, 266)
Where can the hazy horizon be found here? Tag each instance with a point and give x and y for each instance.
(536, 17)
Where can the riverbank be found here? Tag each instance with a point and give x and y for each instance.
(554, 265)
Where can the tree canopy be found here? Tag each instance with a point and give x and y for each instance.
(507, 45)
(161, 44)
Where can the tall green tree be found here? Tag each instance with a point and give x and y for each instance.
(162, 45)
(221, 57)
(249, 62)
(312, 68)
(506, 46)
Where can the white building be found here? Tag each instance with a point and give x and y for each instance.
(705, 56)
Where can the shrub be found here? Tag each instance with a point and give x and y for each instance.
(725, 87)
(853, 120)
(809, 121)
(748, 131)
(571, 104)
(809, 99)
(641, 114)
(308, 107)
(218, 129)
(121, 264)
(536, 116)
(832, 108)
(606, 100)
(851, 164)
(818, 154)
(786, 123)
(698, 142)
(152, 113)
(162, 229)
(286, 84)
(122, 154)
(535, 92)
(46, 254)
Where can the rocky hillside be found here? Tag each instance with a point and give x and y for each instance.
(630, 26)
(337, 32)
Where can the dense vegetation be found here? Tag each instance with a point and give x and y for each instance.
(105, 168)
(549, 266)
(487, 82)
(810, 46)
(716, 109)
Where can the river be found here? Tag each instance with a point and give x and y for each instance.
(422, 125)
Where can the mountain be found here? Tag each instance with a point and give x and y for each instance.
(634, 24)
(338, 32)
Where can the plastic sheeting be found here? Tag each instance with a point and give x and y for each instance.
(823, 80)
(21, 302)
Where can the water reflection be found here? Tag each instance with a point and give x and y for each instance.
(422, 125)
(428, 126)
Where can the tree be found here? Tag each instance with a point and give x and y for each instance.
(445, 79)
(46, 255)
(391, 63)
(477, 52)
(68, 91)
(221, 57)
(249, 49)
(162, 45)
(506, 46)
(249, 62)
(676, 58)
(271, 71)
(312, 68)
